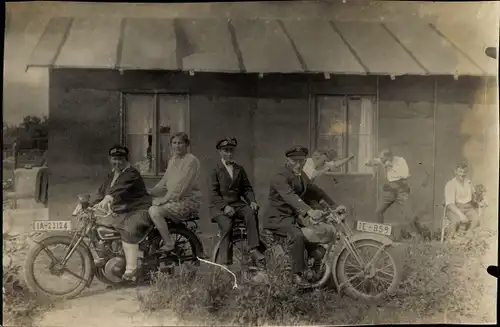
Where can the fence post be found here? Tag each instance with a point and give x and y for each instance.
(15, 154)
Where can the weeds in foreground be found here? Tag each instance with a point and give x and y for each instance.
(208, 296)
(444, 279)
(20, 307)
(439, 279)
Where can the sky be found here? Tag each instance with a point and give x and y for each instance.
(26, 92)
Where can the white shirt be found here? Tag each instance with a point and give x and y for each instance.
(229, 168)
(398, 170)
(457, 192)
(312, 172)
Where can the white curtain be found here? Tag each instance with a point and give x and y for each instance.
(139, 124)
(365, 148)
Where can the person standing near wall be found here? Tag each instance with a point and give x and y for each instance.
(396, 189)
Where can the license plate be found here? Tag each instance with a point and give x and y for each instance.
(374, 228)
(51, 225)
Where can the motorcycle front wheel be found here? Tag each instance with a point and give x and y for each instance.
(381, 280)
(45, 276)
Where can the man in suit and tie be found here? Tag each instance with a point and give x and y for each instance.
(230, 185)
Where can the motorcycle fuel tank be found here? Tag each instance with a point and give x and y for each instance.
(107, 233)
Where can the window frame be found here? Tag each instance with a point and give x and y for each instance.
(316, 115)
(156, 94)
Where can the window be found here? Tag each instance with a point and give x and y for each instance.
(347, 125)
(149, 120)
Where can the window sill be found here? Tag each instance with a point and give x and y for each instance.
(347, 174)
(151, 176)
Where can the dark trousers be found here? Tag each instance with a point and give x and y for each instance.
(399, 193)
(297, 244)
(225, 223)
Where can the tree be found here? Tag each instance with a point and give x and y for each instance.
(31, 133)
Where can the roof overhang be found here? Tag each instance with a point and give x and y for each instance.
(264, 46)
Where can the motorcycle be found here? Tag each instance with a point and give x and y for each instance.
(98, 246)
(363, 265)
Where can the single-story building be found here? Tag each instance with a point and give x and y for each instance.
(429, 92)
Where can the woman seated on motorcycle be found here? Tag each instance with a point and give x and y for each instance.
(177, 196)
(125, 194)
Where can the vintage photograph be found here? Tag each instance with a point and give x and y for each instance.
(273, 163)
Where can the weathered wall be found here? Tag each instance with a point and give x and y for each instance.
(84, 124)
(406, 125)
(268, 115)
(467, 131)
(281, 120)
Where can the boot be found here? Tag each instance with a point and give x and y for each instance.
(131, 255)
(257, 258)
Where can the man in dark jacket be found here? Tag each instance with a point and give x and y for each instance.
(293, 209)
(229, 185)
(124, 193)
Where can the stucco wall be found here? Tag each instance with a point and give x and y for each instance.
(267, 116)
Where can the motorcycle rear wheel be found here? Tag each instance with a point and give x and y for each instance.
(29, 271)
(390, 284)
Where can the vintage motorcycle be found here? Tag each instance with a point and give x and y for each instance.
(98, 247)
(363, 265)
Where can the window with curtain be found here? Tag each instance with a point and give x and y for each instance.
(149, 122)
(346, 125)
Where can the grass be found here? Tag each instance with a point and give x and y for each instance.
(209, 296)
(20, 307)
(441, 282)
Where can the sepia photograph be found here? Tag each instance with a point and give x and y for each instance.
(274, 163)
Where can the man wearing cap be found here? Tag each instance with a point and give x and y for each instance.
(291, 195)
(396, 189)
(322, 162)
(229, 185)
(124, 192)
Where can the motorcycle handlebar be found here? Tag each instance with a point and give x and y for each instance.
(326, 206)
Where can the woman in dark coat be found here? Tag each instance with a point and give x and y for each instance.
(125, 193)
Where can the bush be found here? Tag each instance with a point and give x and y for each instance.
(20, 307)
(438, 278)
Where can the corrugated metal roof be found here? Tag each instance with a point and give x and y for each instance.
(148, 44)
(260, 46)
(90, 43)
(443, 57)
(377, 50)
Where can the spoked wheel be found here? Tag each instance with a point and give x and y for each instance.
(241, 255)
(47, 277)
(374, 283)
(186, 251)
